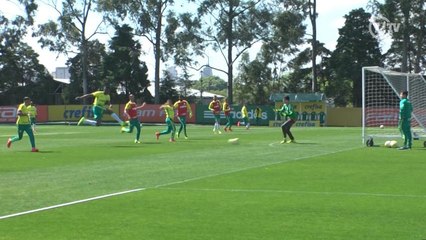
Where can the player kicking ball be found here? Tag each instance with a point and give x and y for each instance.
(170, 113)
(287, 111)
(131, 111)
(24, 125)
(102, 99)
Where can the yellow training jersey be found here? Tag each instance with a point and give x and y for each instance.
(100, 98)
(32, 111)
(244, 111)
(170, 113)
(24, 119)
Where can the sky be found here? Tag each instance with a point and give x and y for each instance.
(330, 19)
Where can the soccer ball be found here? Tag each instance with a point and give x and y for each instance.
(233, 141)
(388, 144)
(393, 144)
(381, 126)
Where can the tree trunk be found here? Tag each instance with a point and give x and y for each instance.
(230, 62)
(313, 16)
(157, 53)
(84, 63)
(405, 7)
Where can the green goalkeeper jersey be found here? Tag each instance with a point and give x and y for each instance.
(287, 110)
(405, 109)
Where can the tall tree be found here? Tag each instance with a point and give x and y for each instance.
(70, 33)
(156, 21)
(122, 66)
(94, 75)
(168, 88)
(356, 48)
(252, 81)
(408, 48)
(236, 26)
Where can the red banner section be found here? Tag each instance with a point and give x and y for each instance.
(8, 114)
(151, 113)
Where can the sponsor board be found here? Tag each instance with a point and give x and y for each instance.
(8, 114)
(308, 111)
(151, 113)
(204, 115)
(73, 113)
(296, 124)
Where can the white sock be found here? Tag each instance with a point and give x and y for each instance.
(90, 122)
(116, 117)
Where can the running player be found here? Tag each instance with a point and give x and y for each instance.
(170, 113)
(102, 99)
(183, 108)
(214, 106)
(405, 110)
(227, 110)
(23, 123)
(131, 111)
(287, 111)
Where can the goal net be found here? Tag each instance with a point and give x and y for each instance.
(380, 105)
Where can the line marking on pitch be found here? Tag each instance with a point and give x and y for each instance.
(166, 184)
(48, 134)
(71, 203)
(295, 192)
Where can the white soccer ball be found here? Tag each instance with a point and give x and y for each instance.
(381, 126)
(388, 144)
(393, 144)
(233, 141)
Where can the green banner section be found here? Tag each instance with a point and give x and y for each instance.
(205, 116)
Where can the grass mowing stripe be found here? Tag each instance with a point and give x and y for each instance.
(389, 195)
(71, 203)
(165, 185)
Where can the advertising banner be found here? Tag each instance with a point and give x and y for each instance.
(8, 114)
(204, 115)
(151, 113)
(72, 113)
(308, 113)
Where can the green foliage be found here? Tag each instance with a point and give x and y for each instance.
(21, 74)
(355, 48)
(95, 73)
(168, 88)
(122, 67)
(252, 81)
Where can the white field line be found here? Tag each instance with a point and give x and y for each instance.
(167, 184)
(296, 192)
(71, 203)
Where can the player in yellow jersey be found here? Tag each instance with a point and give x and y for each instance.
(227, 110)
(32, 113)
(101, 105)
(170, 114)
(23, 124)
(244, 115)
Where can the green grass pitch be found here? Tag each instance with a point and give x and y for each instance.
(326, 186)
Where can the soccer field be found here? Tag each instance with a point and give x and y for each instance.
(326, 186)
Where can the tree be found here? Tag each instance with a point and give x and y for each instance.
(94, 71)
(408, 48)
(236, 26)
(70, 32)
(149, 18)
(356, 48)
(168, 88)
(252, 81)
(20, 71)
(122, 66)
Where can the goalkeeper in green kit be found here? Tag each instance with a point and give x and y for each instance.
(404, 125)
(287, 111)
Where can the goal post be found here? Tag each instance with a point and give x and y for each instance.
(380, 103)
